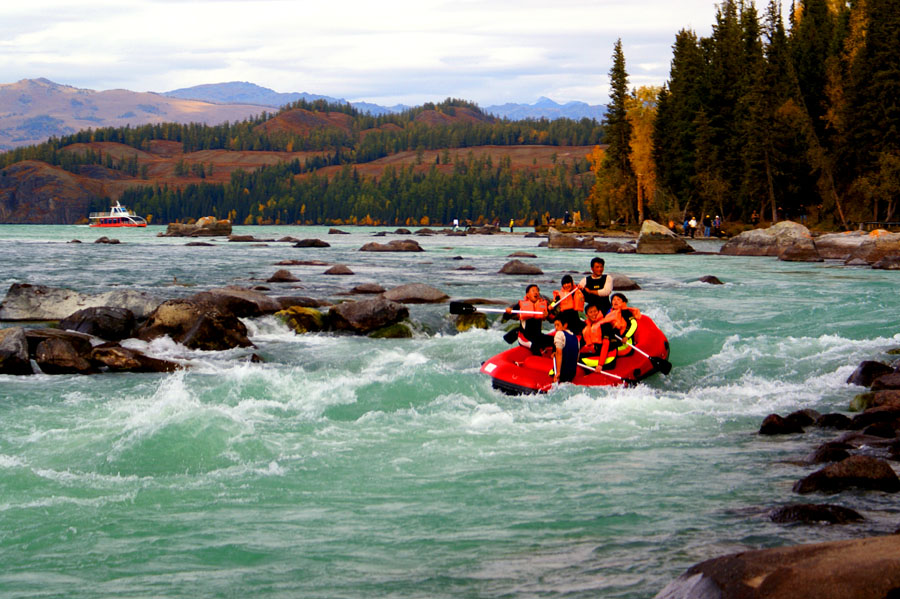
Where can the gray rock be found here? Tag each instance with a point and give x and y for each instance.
(810, 513)
(38, 302)
(239, 301)
(195, 325)
(891, 262)
(801, 250)
(14, 352)
(563, 240)
(312, 243)
(623, 282)
(657, 239)
(765, 242)
(367, 288)
(204, 227)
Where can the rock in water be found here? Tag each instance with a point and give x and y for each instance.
(14, 352)
(416, 293)
(517, 267)
(766, 242)
(857, 471)
(113, 324)
(657, 239)
(365, 316)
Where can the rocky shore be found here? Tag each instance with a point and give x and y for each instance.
(857, 460)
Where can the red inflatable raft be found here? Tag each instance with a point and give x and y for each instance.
(517, 370)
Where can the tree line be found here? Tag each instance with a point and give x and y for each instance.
(756, 119)
(476, 189)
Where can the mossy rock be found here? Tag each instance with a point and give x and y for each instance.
(478, 320)
(894, 352)
(861, 402)
(302, 320)
(398, 330)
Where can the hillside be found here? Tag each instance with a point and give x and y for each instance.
(32, 110)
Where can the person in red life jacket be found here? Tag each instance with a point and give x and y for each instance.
(565, 359)
(597, 287)
(530, 324)
(600, 333)
(567, 303)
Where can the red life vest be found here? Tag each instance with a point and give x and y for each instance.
(573, 302)
(538, 306)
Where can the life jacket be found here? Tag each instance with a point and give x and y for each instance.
(529, 306)
(573, 302)
(594, 283)
(592, 333)
(569, 357)
(626, 325)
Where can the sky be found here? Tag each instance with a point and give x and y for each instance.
(393, 51)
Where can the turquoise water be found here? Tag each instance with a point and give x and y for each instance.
(349, 467)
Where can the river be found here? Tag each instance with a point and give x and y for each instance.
(352, 467)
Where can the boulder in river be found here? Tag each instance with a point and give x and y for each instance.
(887, 381)
(773, 424)
(24, 301)
(396, 245)
(812, 513)
(866, 568)
(367, 289)
(282, 275)
(339, 269)
(710, 279)
(416, 293)
(866, 373)
(857, 471)
(207, 226)
(195, 325)
(801, 250)
(564, 240)
(302, 320)
(312, 243)
(517, 267)
(765, 242)
(365, 316)
(58, 356)
(120, 359)
(106, 322)
(658, 239)
(14, 357)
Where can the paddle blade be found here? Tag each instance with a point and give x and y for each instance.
(664, 366)
(462, 308)
(511, 336)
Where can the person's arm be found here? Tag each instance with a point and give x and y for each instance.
(607, 287)
(559, 341)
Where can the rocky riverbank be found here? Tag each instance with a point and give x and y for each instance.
(857, 460)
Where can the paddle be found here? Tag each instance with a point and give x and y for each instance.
(615, 376)
(555, 303)
(661, 364)
(467, 308)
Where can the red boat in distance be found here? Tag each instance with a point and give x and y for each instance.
(118, 216)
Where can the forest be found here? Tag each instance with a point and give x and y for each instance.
(798, 123)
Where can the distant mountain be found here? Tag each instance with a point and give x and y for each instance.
(32, 110)
(547, 108)
(250, 93)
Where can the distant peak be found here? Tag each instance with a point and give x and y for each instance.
(545, 101)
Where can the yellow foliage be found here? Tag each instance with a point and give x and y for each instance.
(641, 112)
(424, 221)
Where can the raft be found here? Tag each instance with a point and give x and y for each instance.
(517, 371)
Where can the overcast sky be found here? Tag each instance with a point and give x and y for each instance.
(394, 51)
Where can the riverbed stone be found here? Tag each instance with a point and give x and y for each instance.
(121, 359)
(866, 373)
(367, 289)
(834, 420)
(710, 280)
(339, 269)
(623, 282)
(312, 243)
(857, 471)
(658, 239)
(113, 324)
(206, 226)
(416, 293)
(832, 451)
(282, 275)
(812, 513)
(25, 301)
(866, 568)
(874, 399)
(195, 325)
(517, 267)
(237, 301)
(303, 320)
(765, 242)
(476, 320)
(58, 356)
(398, 330)
(801, 250)
(887, 381)
(773, 424)
(396, 245)
(365, 316)
(14, 357)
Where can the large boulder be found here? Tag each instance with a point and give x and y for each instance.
(14, 352)
(766, 242)
(196, 326)
(877, 246)
(657, 239)
(802, 250)
(79, 341)
(312, 243)
(517, 267)
(811, 513)
(773, 424)
(113, 324)
(860, 568)
(840, 246)
(857, 471)
(416, 293)
(207, 226)
(239, 301)
(338, 270)
(24, 301)
(623, 282)
(282, 275)
(563, 240)
(887, 381)
(866, 373)
(58, 356)
(366, 316)
(397, 245)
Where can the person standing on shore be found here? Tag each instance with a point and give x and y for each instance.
(512, 223)
(693, 226)
(597, 286)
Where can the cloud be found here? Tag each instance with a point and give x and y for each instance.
(406, 51)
